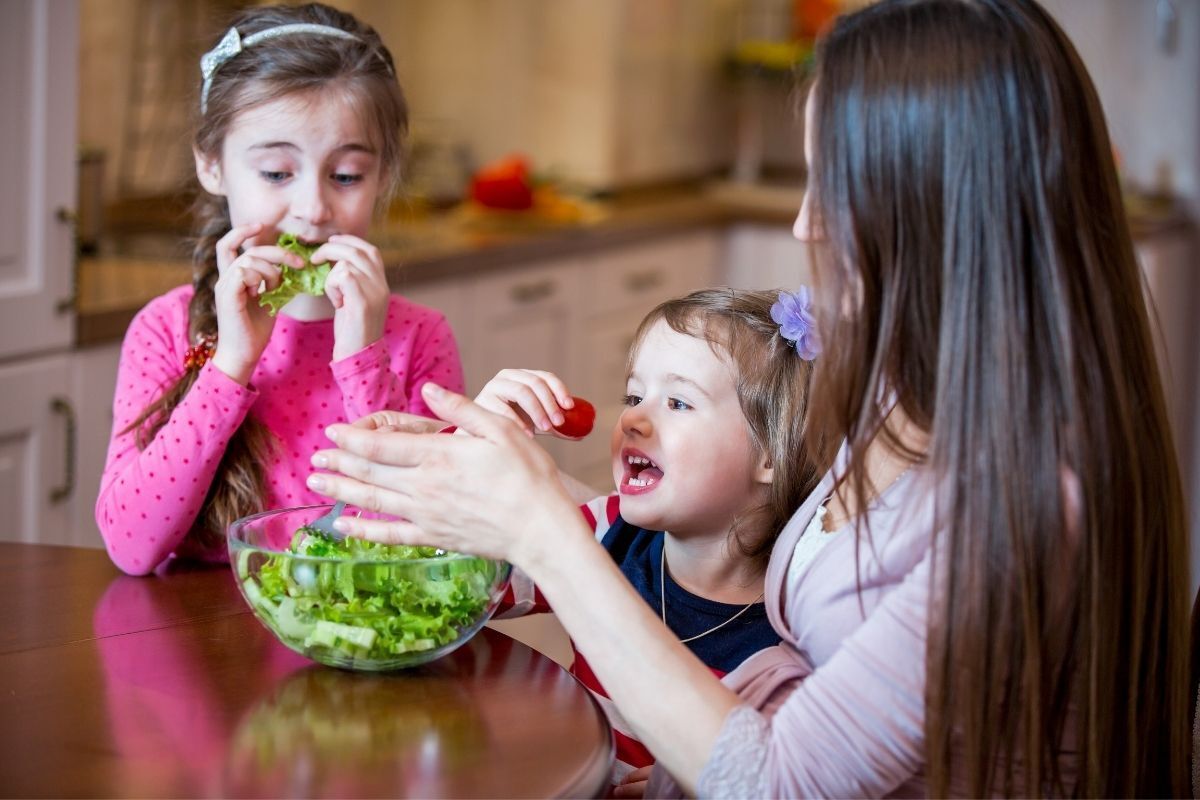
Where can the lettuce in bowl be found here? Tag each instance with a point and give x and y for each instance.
(358, 604)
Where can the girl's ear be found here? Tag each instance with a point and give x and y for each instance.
(209, 172)
(764, 472)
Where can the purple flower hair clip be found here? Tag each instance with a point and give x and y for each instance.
(793, 313)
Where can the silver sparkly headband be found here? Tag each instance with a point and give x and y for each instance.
(232, 44)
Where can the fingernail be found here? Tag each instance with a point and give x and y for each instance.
(320, 460)
(341, 525)
(332, 433)
(431, 389)
(316, 483)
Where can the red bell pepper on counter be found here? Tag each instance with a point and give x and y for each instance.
(504, 184)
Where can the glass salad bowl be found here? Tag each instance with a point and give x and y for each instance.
(356, 604)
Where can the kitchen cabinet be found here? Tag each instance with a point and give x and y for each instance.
(53, 440)
(764, 256)
(522, 318)
(38, 429)
(38, 57)
(38, 480)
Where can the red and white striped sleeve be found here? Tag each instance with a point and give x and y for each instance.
(522, 596)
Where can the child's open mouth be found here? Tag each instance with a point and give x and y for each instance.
(641, 473)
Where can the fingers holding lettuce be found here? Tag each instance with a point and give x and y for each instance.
(246, 272)
(350, 272)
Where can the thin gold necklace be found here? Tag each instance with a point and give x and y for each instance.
(662, 590)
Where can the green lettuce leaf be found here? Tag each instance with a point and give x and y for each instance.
(309, 280)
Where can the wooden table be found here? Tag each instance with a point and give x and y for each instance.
(168, 686)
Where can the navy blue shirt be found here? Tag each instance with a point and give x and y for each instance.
(638, 553)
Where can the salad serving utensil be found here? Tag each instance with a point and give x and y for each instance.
(325, 523)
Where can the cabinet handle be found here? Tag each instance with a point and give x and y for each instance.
(642, 281)
(70, 218)
(532, 292)
(62, 406)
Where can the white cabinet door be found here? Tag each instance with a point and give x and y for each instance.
(765, 257)
(39, 44)
(523, 318)
(38, 483)
(635, 278)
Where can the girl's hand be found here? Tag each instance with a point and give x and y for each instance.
(243, 326)
(489, 493)
(633, 784)
(357, 287)
(531, 398)
(393, 421)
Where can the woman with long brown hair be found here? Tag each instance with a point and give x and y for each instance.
(1001, 607)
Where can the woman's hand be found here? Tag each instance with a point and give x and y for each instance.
(243, 326)
(357, 287)
(493, 493)
(531, 398)
(633, 784)
(398, 421)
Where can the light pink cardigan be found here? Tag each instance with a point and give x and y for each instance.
(837, 709)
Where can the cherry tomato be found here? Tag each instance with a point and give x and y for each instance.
(578, 420)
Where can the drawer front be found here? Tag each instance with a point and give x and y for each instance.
(522, 291)
(639, 278)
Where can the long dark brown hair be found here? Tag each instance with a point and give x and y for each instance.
(364, 71)
(978, 252)
(772, 388)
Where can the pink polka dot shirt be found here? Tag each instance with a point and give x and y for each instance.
(149, 499)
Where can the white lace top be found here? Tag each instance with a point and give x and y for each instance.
(811, 542)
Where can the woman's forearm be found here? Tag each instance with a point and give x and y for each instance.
(674, 703)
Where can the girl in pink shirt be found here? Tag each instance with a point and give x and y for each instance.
(220, 402)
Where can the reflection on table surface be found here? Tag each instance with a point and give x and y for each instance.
(180, 691)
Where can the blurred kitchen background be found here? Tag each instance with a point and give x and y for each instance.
(657, 138)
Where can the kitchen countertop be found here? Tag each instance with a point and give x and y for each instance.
(113, 286)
